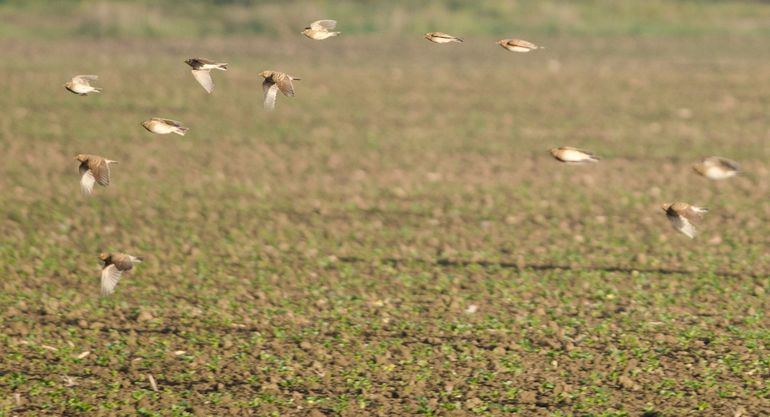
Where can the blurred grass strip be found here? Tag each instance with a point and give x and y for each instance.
(204, 18)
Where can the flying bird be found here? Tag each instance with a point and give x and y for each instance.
(441, 37)
(319, 30)
(571, 155)
(93, 169)
(717, 168)
(682, 216)
(518, 45)
(164, 126)
(115, 264)
(275, 81)
(81, 85)
(201, 70)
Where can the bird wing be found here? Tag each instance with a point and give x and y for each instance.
(87, 181)
(168, 122)
(101, 172)
(284, 84)
(84, 79)
(728, 164)
(521, 43)
(122, 261)
(204, 79)
(271, 92)
(442, 35)
(683, 225)
(110, 277)
(323, 24)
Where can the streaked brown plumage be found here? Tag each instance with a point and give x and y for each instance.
(682, 216)
(320, 29)
(201, 70)
(93, 169)
(572, 155)
(163, 126)
(518, 45)
(81, 85)
(441, 37)
(717, 168)
(115, 264)
(275, 81)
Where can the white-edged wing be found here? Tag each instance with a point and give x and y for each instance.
(683, 225)
(323, 24)
(84, 79)
(110, 278)
(87, 182)
(271, 92)
(204, 79)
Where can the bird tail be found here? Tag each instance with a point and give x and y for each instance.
(181, 131)
(295, 78)
(110, 161)
(593, 158)
(222, 67)
(136, 259)
(97, 89)
(700, 210)
(336, 33)
(459, 40)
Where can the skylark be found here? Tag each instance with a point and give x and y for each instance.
(717, 168)
(319, 30)
(81, 85)
(573, 155)
(441, 37)
(682, 215)
(518, 45)
(201, 70)
(164, 126)
(275, 81)
(115, 264)
(93, 169)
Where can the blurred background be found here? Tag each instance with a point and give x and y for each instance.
(396, 238)
(204, 18)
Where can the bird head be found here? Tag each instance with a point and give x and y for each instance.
(665, 206)
(501, 42)
(265, 74)
(104, 256)
(68, 84)
(554, 151)
(699, 168)
(189, 61)
(146, 124)
(81, 157)
(306, 30)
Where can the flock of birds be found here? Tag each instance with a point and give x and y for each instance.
(95, 169)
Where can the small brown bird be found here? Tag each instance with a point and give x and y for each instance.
(518, 45)
(319, 30)
(201, 70)
(115, 264)
(441, 37)
(93, 169)
(717, 168)
(573, 155)
(81, 85)
(275, 81)
(164, 126)
(682, 215)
